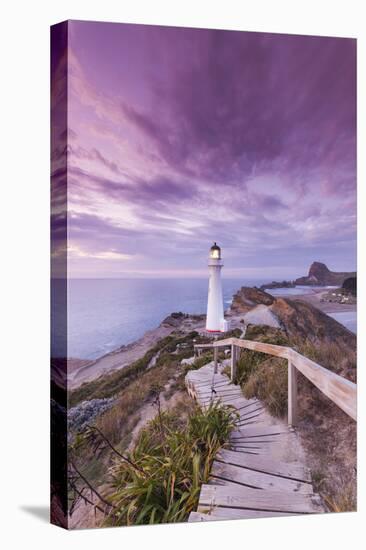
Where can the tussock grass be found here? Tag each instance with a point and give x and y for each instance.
(343, 501)
(268, 383)
(174, 457)
(261, 375)
(200, 361)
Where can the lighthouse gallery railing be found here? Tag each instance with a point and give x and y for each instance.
(341, 391)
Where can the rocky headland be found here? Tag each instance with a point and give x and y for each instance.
(319, 275)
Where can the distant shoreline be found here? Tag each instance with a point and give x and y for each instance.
(81, 371)
(314, 298)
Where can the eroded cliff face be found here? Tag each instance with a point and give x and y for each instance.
(247, 297)
(319, 274)
(300, 321)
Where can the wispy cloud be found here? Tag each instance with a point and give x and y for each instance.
(183, 136)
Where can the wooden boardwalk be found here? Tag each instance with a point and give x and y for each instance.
(247, 479)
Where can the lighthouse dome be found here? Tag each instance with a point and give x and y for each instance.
(215, 252)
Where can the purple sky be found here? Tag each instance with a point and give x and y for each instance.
(179, 137)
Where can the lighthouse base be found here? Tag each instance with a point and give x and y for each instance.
(224, 327)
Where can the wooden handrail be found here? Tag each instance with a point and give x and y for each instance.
(338, 389)
(341, 391)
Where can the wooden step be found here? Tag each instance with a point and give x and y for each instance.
(236, 401)
(226, 391)
(257, 480)
(253, 432)
(245, 480)
(221, 514)
(256, 499)
(266, 465)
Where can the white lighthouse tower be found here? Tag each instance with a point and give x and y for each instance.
(215, 321)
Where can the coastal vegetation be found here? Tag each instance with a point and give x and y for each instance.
(173, 456)
(160, 479)
(111, 384)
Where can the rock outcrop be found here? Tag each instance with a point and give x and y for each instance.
(319, 274)
(262, 315)
(297, 318)
(247, 298)
(350, 285)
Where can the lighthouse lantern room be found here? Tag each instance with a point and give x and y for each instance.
(215, 321)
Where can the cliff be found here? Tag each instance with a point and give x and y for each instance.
(298, 319)
(247, 297)
(319, 274)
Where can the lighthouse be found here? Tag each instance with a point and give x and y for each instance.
(215, 321)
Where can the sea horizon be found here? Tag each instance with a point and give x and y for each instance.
(107, 313)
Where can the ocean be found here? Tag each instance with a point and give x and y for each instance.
(104, 314)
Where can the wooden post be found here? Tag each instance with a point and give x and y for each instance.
(233, 362)
(292, 394)
(216, 353)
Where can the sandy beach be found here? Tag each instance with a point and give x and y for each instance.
(314, 298)
(125, 355)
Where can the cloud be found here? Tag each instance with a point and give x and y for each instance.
(76, 252)
(244, 138)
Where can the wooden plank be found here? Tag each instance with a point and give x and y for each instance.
(234, 401)
(253, 423)
(209, 384)
(254, 499)
(216, 382)
(260, 431)
(262, 443)
(266, 465)
(222, 514)
(258, 480)
(341, 391)
(250, 412)
(244, 445)
(250, 403)
(222, 343)
(292, 394)
(271, 349)
(245, 419)
(245, 452)
(223, 392)
(218, 389)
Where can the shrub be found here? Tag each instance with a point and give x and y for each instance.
(173, 459)
(200, 361)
